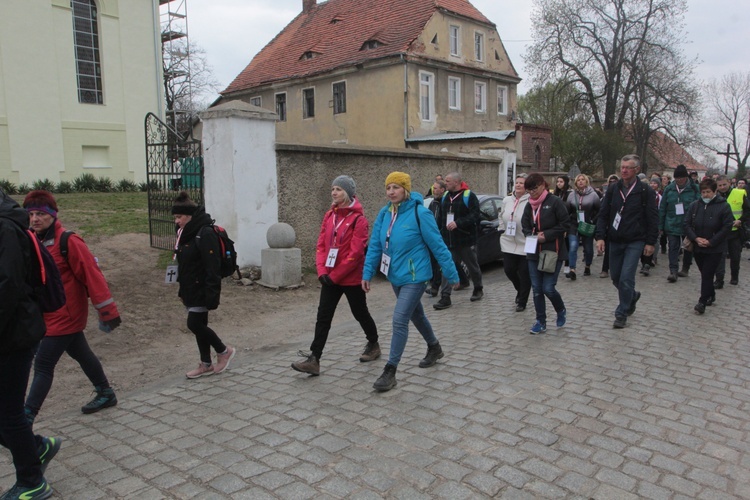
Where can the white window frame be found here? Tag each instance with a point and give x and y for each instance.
(257, 98)
(479, 47)
(502, 99)
(454, 93)
(454, 40)
(306, 112)
(427, 91)
(481, 87)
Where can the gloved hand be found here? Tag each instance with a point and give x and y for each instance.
(110, 324)
(326, 280)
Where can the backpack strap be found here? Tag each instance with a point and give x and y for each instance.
(63, 245)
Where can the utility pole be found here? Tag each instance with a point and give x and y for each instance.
(726, 163)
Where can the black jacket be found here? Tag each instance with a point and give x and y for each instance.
(199, 263)
(553, 222)
(639, 217)
(712, 221)
(466, 218)
(21, 320)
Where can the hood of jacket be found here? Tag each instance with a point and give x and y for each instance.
(589, 190)
(199, 220)
(12, 210)
(354, 208)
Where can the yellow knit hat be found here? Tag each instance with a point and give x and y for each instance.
(400, 178)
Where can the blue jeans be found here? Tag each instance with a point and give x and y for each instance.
(588, 249)
(543, 284)
(675, 243)
(408, 307)
(623, 262)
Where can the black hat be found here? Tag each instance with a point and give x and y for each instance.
(183, 205)
(680, 171)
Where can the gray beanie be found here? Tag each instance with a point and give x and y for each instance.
(347, 184)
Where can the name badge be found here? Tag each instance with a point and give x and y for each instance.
(511, 229)
(331, 259)
(385, 264)
(530, 246)
(171, 275)
(616, 222)
(581, 217)
(449, 218)
(679, 209)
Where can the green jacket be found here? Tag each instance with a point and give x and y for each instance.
(669, 221)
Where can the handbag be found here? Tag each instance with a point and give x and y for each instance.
(586, 229)
(547, 261)
(687, 244)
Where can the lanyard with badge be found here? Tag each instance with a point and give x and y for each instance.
(334, 251)
(450, 216)
(532, 240)
(172, 273)
(385, 259)
(581, 213)
(618, 216)
(511, 229)
(679, 208)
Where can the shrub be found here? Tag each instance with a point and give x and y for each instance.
(127, 186)
(64, 187)
(104, 185)
(45, 184)
(24, 189)
(144, 186)
(85, 183)
(8, 187)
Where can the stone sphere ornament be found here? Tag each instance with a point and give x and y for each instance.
(281, 235)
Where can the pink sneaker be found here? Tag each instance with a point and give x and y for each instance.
(201, 371)
(222, 360)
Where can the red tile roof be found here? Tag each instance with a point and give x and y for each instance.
(335, 31)
(669, 154)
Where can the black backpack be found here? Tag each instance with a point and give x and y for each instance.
(228, 253)
(45, 277)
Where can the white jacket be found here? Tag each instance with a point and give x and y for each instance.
(513, 244)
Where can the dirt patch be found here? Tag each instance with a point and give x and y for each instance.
(154, 343)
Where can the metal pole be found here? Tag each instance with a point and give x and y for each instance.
(726, 163)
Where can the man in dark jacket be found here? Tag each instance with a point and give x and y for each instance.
(674, 205)
(21, 328)
(460, 219)
(740, 205)
(630, 221)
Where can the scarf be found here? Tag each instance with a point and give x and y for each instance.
(535, 204)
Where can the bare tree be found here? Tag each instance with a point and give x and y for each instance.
(608, 50)
(728, 102)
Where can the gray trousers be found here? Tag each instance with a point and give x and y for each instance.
(469, 257)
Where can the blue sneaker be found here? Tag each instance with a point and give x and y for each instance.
(47, 451)
(561, 317)
(537, 328)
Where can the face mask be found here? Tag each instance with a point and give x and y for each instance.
(706, 200)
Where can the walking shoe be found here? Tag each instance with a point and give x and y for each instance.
(733, 281)
(711, 300)
(620, 322)
(572, 275)
(683, 273)
(460, 286)
(310, 365)
(587, 271)
(37, 492)
(700, 308)
(434, 352)
(104, 399)
(719, 284)
(672, 277)
(477, 294)
(562, 316)
(47, 450)
(443, 303)
(646, 270)
(223, 359)
(636, 298)
(604, 274)
(387, 380)
(371, 352)
(203, 370)
(432, 292)
(537, 328)
(520, 307)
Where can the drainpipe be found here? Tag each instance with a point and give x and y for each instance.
(406, 99)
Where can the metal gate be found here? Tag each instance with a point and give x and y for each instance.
(173, 164)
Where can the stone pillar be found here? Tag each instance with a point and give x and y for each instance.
(241, 190)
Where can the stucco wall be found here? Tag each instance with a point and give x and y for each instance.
(305, 174)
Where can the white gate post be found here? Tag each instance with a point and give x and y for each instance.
(239, 159)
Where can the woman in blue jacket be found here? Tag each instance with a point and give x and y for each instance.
(402, 238)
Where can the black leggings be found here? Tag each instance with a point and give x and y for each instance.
(197, 322)
(329, 299)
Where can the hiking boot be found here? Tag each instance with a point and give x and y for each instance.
(684, 273)
(203, 370)
(719, 284)
(672, 277)
(38, 492)
(620, 322)
(47, 450)
(477, 294)
(310, 365)
(387, 380)
(371, 352)
(520, 307)
(604, 274)
(562, 317)
(587, 271)
(537, 328)
(734, 281)
(572, 275)
(700, 308)
(223, 359)
(434, 352)
(443, 303)
(104, 399)
(636, 298)
(646, 270)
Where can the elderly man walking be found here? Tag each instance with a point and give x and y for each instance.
(675, 201)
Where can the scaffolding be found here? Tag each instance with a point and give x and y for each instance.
(176, 59)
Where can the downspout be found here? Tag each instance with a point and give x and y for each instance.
(406, 99)
(158, 60)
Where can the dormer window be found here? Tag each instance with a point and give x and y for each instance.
(371, 44)
(308, 55)
(336, 20)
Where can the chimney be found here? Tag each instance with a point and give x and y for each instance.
(307, 5)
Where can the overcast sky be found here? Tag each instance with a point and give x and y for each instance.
(233, 31)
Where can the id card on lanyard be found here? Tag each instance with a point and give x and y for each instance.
(385, 259)
(511, 229)
(171, 273)
(334, 251)
(533, 240)
(618, 216)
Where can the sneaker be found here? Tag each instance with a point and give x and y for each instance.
(572, 275)
(38, 492)
(520, 307)
(203, 370)
(104, 399)
(646, 270)
(47, 450)
(562, 316)
(587, 271)
(477, 294)
(683, 273)
(620, 322)
(443, 303)
(636, 298)
(700, 308)
(537, 328)
(223, 360)
(566, 270)
(672, 277)
(719, 284)
(734, 281)
(604, 274)
(371, 352)
(711, 300)
(310, 365)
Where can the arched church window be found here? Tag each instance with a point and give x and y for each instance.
(86, 46)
